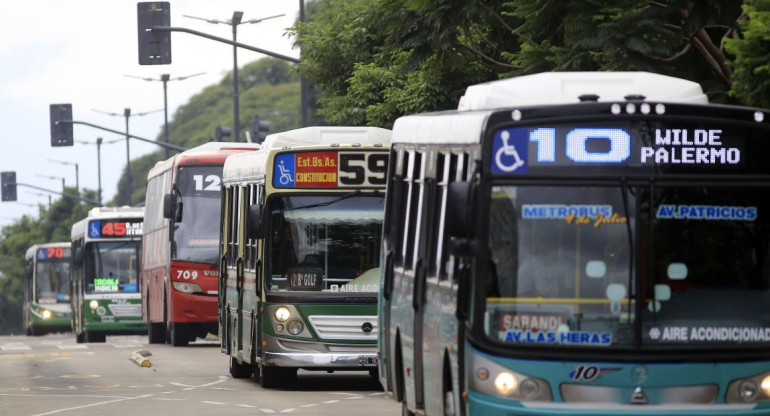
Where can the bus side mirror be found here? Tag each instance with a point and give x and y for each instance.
(169, 205)
(254, 227)
(458, 214)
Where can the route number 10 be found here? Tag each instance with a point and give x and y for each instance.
(576, 142)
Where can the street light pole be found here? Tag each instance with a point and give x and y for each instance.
(77, 171)
(99, 167)
(165, 78)
(234, 22)
(127, 114)
(63, 186)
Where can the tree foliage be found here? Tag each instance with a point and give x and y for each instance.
(375, 60)
(268, 88)
(53, 224)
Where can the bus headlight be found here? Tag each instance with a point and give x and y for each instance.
(187, 287)
(506, 383)
(46, 314)
(94, 304)
(295, 327)
(749, 389)
(494, 379)
(282, 314)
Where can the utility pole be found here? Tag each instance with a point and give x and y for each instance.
(165, 78)
(234, 22)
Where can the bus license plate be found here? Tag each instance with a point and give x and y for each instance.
(364, 360)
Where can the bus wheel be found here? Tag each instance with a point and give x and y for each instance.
(179, 336)
(239, 370)
(155, 333)
(96, 337)
(80, 337)
(277, 376)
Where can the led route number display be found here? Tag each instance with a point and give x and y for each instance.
(53, 254)
(642, 144)
(330, 169)
(114, 228)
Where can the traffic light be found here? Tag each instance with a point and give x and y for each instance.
(221, 132)
(257, 127)
(154, 45)
(61, 125)
(8, 186)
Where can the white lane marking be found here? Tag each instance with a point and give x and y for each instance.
(248, 406)
(72, 347)
(331, 401)
(354, 398)
(347, 394)
(91, 405)
(287, 410)
(208, 402)
(309, 405)
(168, 399)
(267, 410)
(222, 379)
(15, 346)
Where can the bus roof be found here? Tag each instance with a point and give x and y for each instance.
(466, 124)
(32, 250)
(247, 166)
(327, 135)
(550, 88)
(211, 152)
(79, 228)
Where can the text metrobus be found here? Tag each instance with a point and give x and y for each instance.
(301, 232)
(105, 289)
(47, 289)
(180, 247)
(549, 256)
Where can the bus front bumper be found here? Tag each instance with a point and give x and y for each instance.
(316, 355)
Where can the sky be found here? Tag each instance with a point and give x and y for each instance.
(79, 52)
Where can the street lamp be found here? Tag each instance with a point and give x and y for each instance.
(165, 78)
(127, 114)
(234, 22)
(63, 186)
(77, 171)
(99, 161)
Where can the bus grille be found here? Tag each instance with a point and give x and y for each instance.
(125, 309)
(344, 327)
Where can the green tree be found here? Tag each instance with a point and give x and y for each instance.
(52, 225)
(375, 60)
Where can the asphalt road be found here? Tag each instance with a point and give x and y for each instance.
(53, 375)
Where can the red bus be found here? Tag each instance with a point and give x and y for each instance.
(180, 246)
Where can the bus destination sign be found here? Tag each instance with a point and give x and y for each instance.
(660, 145)
(53, 254)
(330, 169)
(114, 228)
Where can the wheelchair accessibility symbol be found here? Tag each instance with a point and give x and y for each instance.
(510, 151)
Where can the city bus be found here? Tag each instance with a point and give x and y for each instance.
(299, 255)
(578, 243)
(47, 288)
(105, 283)
(180, 245)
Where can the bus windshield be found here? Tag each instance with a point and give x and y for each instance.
(562, 271)
(325, 243)
(197, 236)
(52, 281)
(112, 267)
(560, 266)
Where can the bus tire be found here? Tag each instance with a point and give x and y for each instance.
(277, 376)
(155, 333)
(95, 336)
(179, 336)
(80, 337)
(239, 370)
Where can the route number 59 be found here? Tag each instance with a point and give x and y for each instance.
(363, 168)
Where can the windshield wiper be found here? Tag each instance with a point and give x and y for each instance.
(637, 321)
(327, 203)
